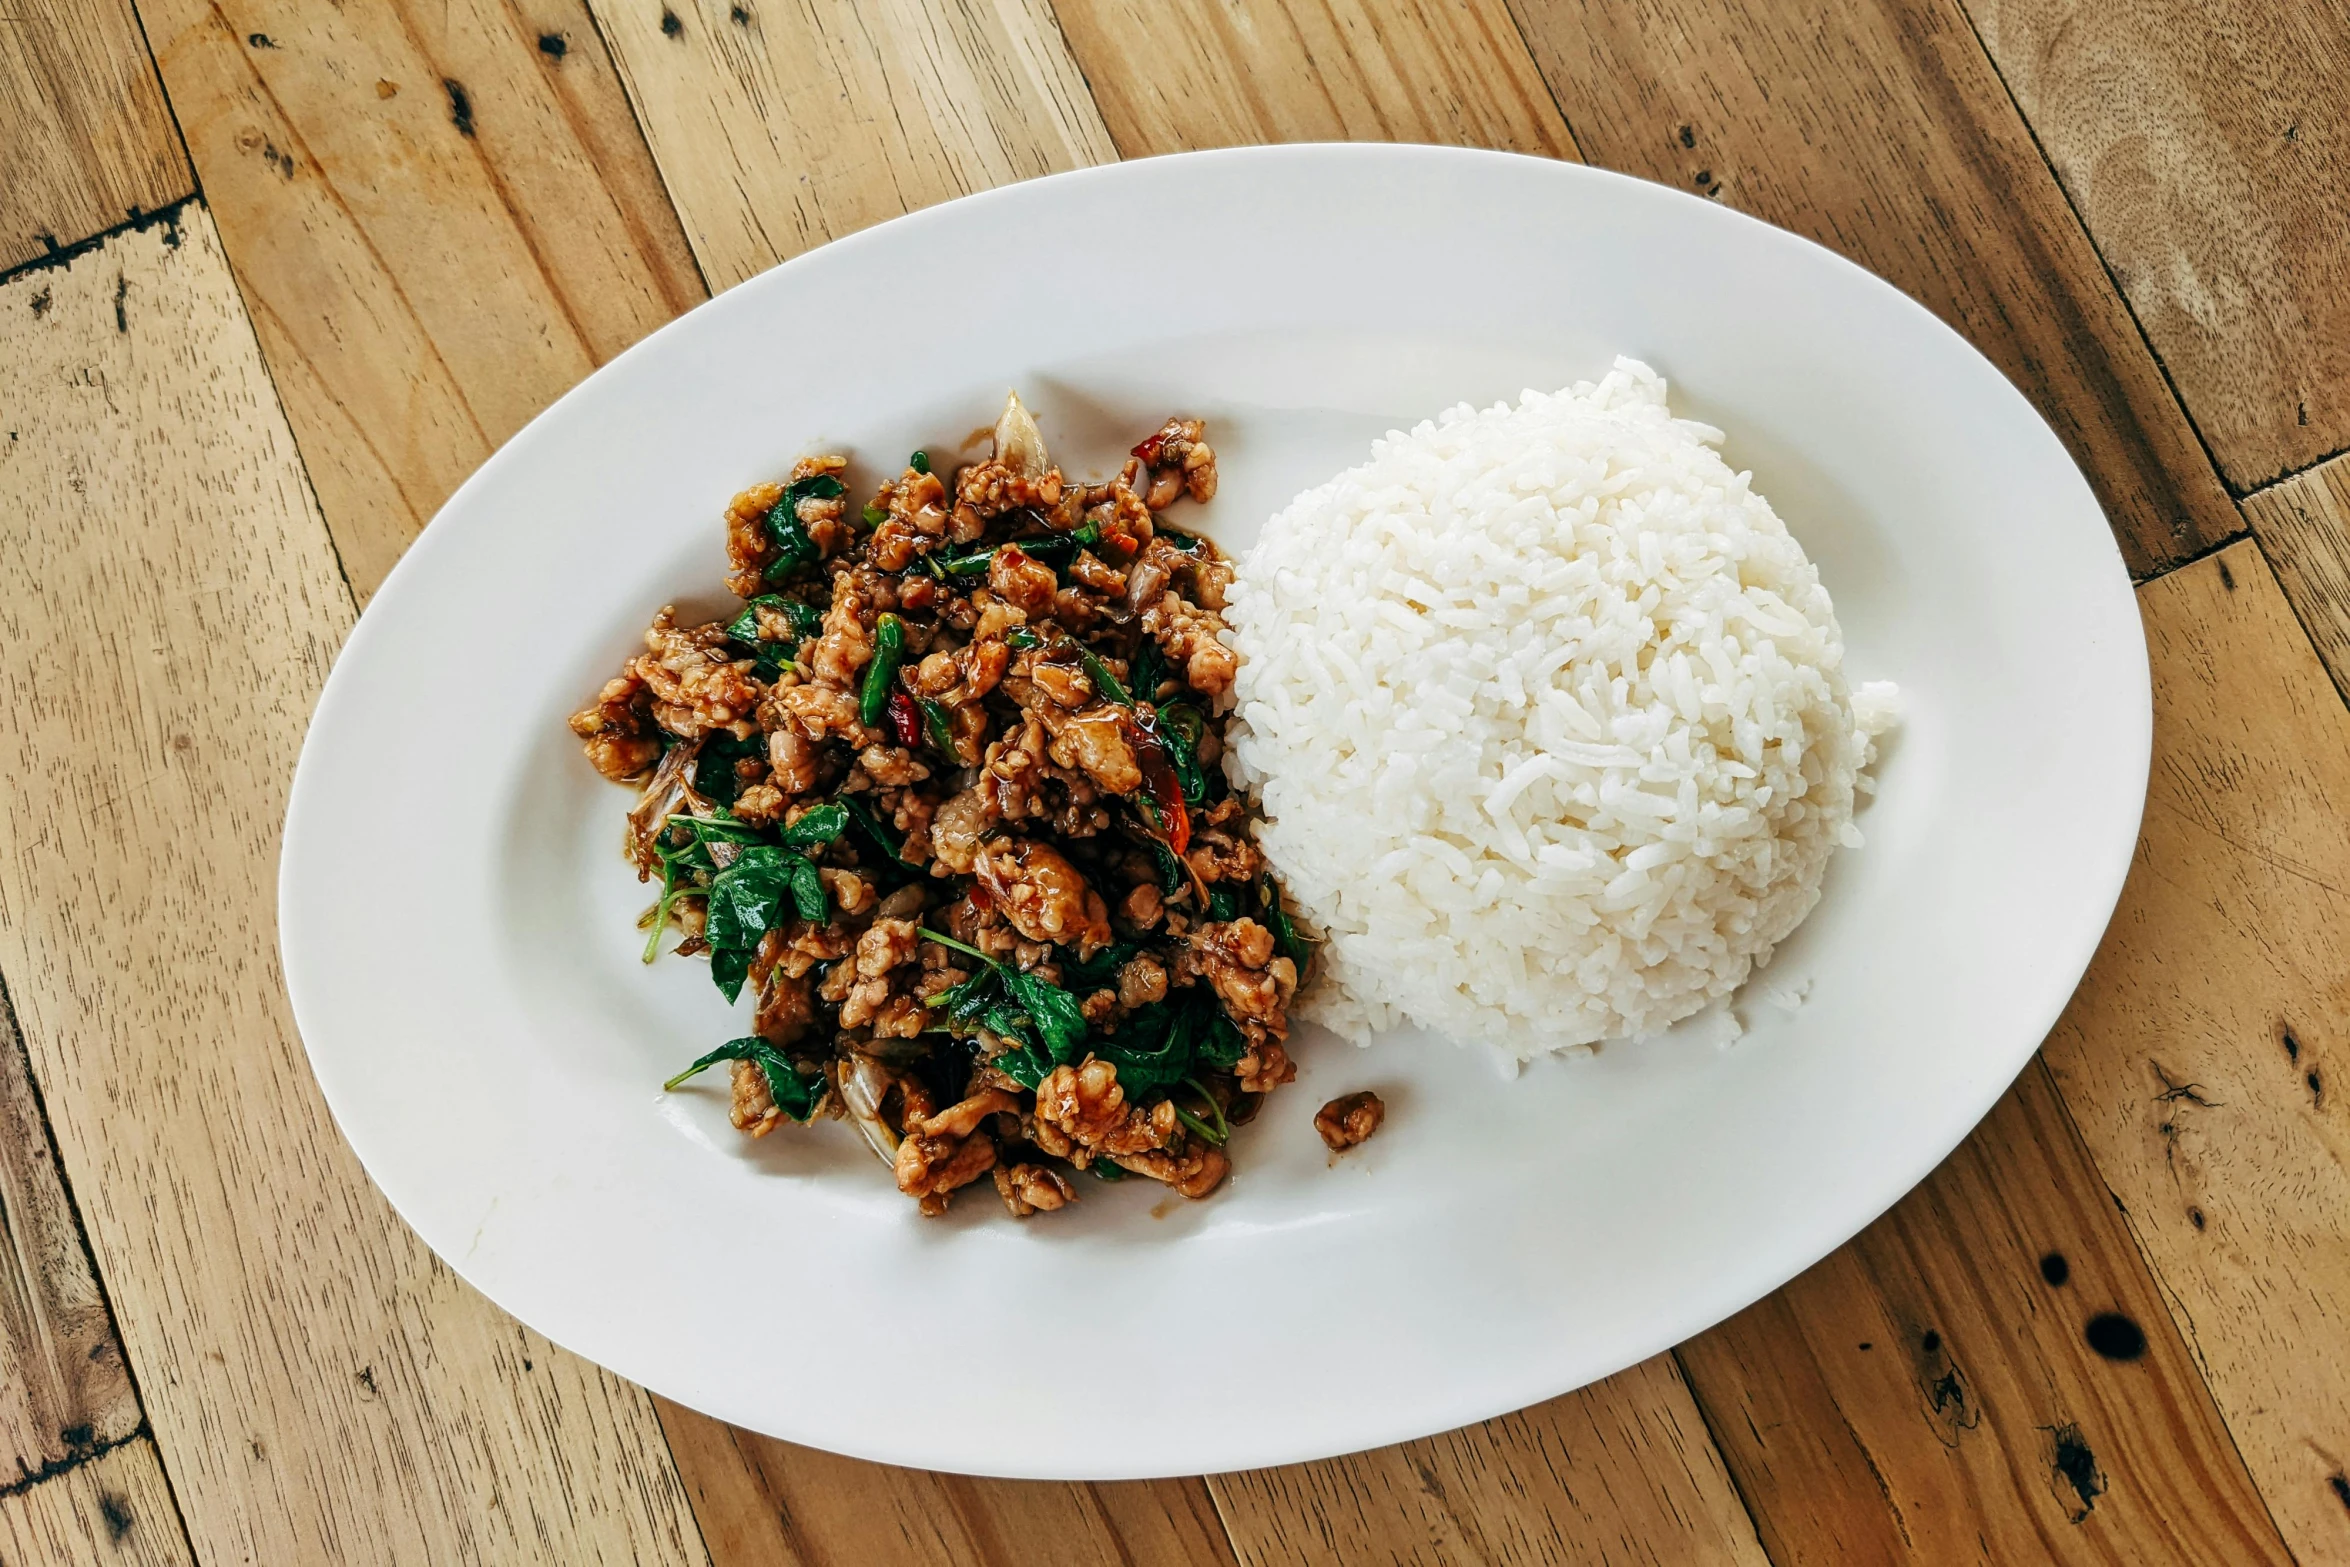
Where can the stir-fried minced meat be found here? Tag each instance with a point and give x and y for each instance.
(943, 798)
(1349, 1120)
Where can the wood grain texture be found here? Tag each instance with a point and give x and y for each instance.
(780, 126)
(1929, 1393)
(2206, 1054)
(85, 140)
(115, 1511)
(2303, 525)
(1879, 128)
(442, 218)
(1618, 1472)
(320, 1386)
(2206, 146)
(63, 1388)
(1172, 75)
(764, 1501)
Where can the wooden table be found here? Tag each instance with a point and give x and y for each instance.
(279, 275)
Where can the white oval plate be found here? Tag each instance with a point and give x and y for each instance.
(458, 925)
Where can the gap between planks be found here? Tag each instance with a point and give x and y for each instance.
(318, 1382)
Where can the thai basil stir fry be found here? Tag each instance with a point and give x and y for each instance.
(944, 797)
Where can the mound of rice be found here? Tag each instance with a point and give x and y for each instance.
(1548, 717)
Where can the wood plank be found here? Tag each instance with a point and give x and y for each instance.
(115, 1511)
(2204, 1057)
(64, 1391)
(1619, 1472)
(1880, 129)
(2204, 145)
(319, 1385)
(760, 1500)
(779, 127)
(442, 217)
(2303, 526)
(89, 141)
(1178, 74)
(1929, 1393)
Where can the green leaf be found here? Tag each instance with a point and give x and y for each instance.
(714, 775)
(806, 619)
(1224, 904)
(1221, 1044)
(1022, 640)
(1153, 1048)
(970, 1000)
(1060, 1022)
(746, 898)
(794, 548)
(1099, 972)
(870, 825)
(964, 565)
(807, 889)
(919, 462)
(1023, 1067)
(795, 1095)
(874, 515)
(1180, 728)
(729, 968)
(1043, 1021)
(1287, 938)
(816, 825)
(1173, 878)
(1149, 671)
(1160, 1046)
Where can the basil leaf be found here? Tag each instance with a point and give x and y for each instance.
(1221, 1044)
(1224, 904)
(1153, 1049)
(919, 462)
(817, 824)
(714, 775)
(870, 826)
(806, 619)
(1023, 1067)
(1059, 1020)
(1172, 876)
(807, 889)
(1287, 938)
(746, 898)
(794, 548)
(1149, 669)
(795, 1095)
(1099, 972)
(1179, 730)
(729, 968)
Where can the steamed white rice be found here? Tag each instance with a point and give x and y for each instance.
(1548, 717)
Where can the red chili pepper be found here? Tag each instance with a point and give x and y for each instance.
(1160, 785)
(905, 719)
(1148, 451)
